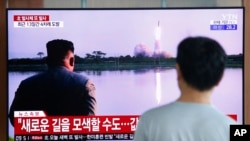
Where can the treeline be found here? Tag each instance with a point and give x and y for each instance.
(121, 62)
(96, 60)
(235, 60)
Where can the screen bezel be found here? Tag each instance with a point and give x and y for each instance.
(149, 8)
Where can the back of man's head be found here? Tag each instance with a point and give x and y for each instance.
(201, 61)
(57, 50)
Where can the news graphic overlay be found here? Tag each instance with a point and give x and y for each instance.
(35, 21)
(239, 132)
(35, 125)
(224, 22)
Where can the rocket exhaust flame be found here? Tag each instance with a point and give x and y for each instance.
(158, 87)
(157, 52)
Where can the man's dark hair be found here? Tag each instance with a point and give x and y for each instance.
(56, 51)
(201, 61)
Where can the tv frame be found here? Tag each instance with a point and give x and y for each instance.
(145, 8)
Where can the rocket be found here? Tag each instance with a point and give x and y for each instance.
(158, 31)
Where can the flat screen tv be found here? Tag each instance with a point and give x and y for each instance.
(129, 53)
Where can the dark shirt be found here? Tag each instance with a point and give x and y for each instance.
(56, 92)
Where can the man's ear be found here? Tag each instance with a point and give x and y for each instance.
(71, 61)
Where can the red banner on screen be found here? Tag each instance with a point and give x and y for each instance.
(233, 116)
(37, 123)
(31, 18)
(75, 125)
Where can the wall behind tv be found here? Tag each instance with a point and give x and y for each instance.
(141, 3)
(112, 3)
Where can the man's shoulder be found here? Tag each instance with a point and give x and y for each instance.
(75, 76)
(34, 77)
(79, 77)
(157, 111)
(175, 110)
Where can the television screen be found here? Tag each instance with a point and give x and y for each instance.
(128, 53)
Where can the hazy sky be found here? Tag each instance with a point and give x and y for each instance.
(117, 32)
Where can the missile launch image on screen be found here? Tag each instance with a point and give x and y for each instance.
(143, 50)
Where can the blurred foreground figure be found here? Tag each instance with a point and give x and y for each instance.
(58, 91)
(192, 117)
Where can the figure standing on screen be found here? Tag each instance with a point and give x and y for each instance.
(192, 117)
(59, 90)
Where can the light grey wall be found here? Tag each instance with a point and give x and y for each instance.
(138, 3)
(191, 3)
(124, 3)
(229, 3)
(62, 3)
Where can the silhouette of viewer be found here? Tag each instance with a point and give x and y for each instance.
(192, 117)
(58, 90)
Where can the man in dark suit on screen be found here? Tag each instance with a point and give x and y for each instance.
(59, 90)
